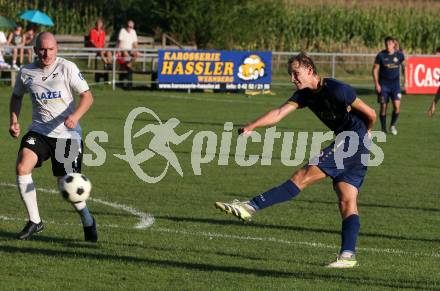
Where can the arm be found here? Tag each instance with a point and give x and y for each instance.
(86, 101)
(366, 111)
(376, 78)
(14, 113)
(431, 109)
(269, 118)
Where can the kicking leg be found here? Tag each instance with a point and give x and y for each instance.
(284, 192)
(88, 221)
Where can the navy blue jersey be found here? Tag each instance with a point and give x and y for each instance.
(389, 66)
(331, 103)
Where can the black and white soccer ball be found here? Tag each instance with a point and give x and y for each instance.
(75, 187)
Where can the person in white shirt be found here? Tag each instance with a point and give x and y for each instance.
(127, 40)
(52, 84)
(3, 41)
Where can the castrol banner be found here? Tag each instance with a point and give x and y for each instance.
(422, 75)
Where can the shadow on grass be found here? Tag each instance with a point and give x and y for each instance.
(290, 228)
(50, 239)
(325, 275)
(373, 205)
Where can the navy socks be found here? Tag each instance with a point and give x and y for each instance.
(349, 233)
(394, 118)
(282, 193)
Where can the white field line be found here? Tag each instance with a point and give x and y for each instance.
(145, 219)
(211, 235)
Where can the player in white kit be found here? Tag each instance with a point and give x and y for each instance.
(52, 84)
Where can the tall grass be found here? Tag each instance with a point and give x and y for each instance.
(286, 25)
(70, 17)
(280, 25)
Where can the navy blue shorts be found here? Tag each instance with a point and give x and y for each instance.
(350, 169)
(389, 92)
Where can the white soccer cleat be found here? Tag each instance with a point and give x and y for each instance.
(345, 260)
(15, 67)
(393, 130)
(241, 210)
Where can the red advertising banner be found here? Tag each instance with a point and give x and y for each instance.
(422, 75)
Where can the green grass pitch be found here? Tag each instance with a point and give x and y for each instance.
(191, 245)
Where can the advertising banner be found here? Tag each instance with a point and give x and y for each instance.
(422, 75)
(210, 69)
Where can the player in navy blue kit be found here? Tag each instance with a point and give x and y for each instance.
(386, 77)
(336, 105)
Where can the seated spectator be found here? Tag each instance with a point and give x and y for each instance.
(29, 39)
(97, 40)
(16, 38)
(3, 41)
(127, 40)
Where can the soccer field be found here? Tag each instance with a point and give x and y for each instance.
(169, 236)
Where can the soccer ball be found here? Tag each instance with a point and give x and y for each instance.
(75, 187)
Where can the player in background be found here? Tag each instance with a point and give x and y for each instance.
(431, 109)
(386, 78)
(336, 105)
(52, 84)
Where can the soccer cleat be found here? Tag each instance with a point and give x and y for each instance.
(241, 210)
(393, 129)
(344, 261)
(29, 229)
(90, 232)
(15, 67)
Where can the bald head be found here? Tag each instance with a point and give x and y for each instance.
(46, 49)
(45, 37)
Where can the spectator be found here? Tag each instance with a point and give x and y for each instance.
(97, 40)
(3, 41)
(29, 39)
(16, 38)
(127, 40)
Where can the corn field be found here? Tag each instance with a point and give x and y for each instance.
(282, 25)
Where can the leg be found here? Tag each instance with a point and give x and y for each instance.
(347, 195)
(383, 115)
(14, 56)
(289, 189)
(29, 53)
(26, 162)
(396, 112)
(21, 56)
(284, 192)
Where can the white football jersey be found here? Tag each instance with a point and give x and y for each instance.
(52, 91)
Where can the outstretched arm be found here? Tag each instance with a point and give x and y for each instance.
(86, 101)
(269, 118)
(14, 113)
(376, 78)
(367, 112)
(431, 109)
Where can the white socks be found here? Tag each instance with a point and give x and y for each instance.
(28, 194)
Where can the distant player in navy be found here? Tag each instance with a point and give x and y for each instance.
(336, 105)
(386, 78)
(52, 84)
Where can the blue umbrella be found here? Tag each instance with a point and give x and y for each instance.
(37, 16)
